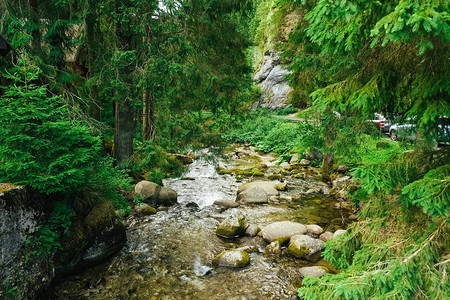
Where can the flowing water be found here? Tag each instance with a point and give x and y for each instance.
(168, 255)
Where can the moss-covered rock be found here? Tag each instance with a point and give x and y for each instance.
(233, 226)
(232, 259)
(257, 172)
(145, 209)
(306, 247)
(281, 186)
(274, 177)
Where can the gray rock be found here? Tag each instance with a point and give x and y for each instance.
(226, 203)
(305, 162)
(314, 229)
(252, 230)
(155, 195)
(256, 195)
(285, 165)
(315, 271)
(314, 191)
(339, 232)
(274, 84)
(326, 236)
(233, 226)
(282, 231)
(232, 259)
(306, 247)
(167, 197)
(147, 189)
(294, 159)
(268, 186)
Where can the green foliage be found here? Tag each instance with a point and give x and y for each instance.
(432, 192)
(45, 240)
(271, 134)
(40, 145)
(384, 257)
(9, 291)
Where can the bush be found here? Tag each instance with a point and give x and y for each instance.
(39, 145)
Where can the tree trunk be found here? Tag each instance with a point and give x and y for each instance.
(124, 119)
(92, 45)
(123, 139)
(327, 164)
(35, 33)
(148, 117)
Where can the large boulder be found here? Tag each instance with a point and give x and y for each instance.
(306, 247)
(155, 195)
(232, 259)
(147, 190)
(93, 239)
(167, 197)
(233, 226)
(95, 234)
(282, 231)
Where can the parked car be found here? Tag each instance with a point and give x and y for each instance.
(407, 130)
(381, 122)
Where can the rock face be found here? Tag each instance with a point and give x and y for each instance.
(233, 226)
(313, 271)
(232, 259)
(306, 247)
(21, 212)
(282, 231)
(271, 78)
(155, 195)
(94, 236)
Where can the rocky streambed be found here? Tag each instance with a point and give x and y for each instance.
(180, 253)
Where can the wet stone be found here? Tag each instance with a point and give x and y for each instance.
(306, 247)
(232, 259)
(282, 230)
(255, 195)
(314, 229)
(252, 230)
(233, 226)
(326, 236)
(226, 203)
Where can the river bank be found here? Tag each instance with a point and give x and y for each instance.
(169, 255)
